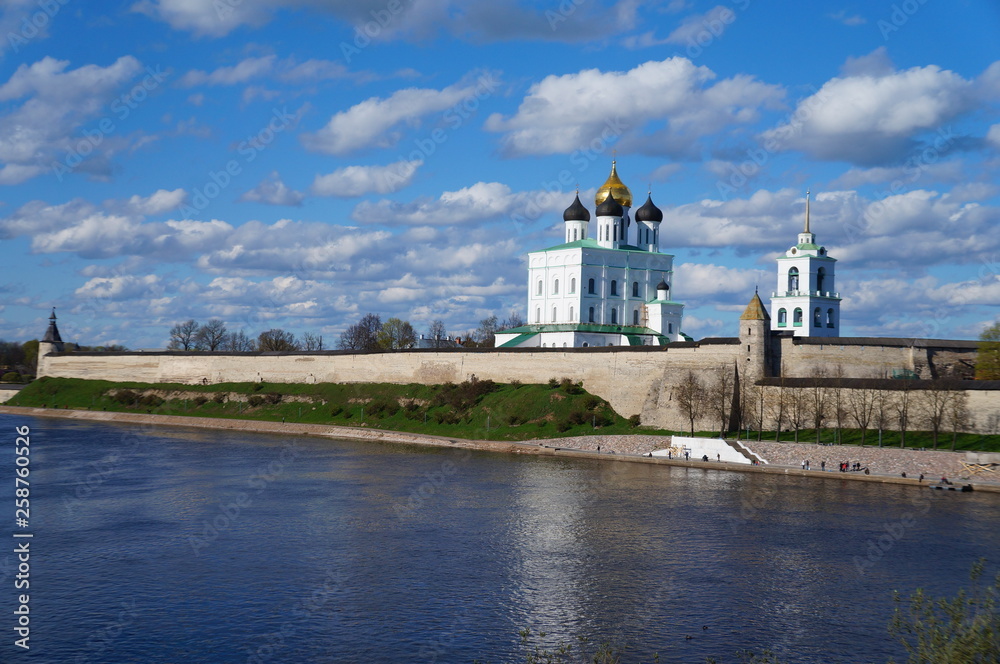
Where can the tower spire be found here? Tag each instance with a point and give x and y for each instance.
(807, 211)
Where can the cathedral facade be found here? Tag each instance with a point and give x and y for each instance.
(610, 290)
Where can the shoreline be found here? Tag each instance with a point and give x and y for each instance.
(543, 447)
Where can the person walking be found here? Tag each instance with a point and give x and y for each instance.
(822, 466)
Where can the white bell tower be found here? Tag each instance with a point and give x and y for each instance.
(806, 301)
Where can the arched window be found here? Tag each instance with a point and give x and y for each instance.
(540, 287)
(564, 344)
(538, 314)
(793, 279)
(590, 318)
(574, 234)
(797, 317)
(614, 315)
(635, 289)
(817, 317)
(635, 317)
(572, 285)
(829, 317)
(555, 287)
(571, 314)
(553, 314)
(614, 287)
(590, 286)
(782, 317)
(820, 278)
(670, 328)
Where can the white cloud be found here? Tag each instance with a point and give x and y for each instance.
(712, 23)
(159, 202)
(375, 121)
(272, 191)
(871, 120)
(993, 136)
(352, 181)
(562, 114)
(876, 63)
(849, 20)
(123, 287)
(238, 73)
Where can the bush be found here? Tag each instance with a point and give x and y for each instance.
(569, 387)
(272, 398)
(446, 417)
(336, 410)
(514, 419)
(553, 383)
(464, 396)
(516, 384)
(200, 401)
(578, 417)
(11, 377)
(220, 397)
(152, 401)
(591, 402)
(257, 387)
(634, 421)
(126, 397)
(255, 400)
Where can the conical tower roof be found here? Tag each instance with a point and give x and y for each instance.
(614, 185)
(52, 334)
(755, 310)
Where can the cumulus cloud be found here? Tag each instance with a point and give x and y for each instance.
(562, 114)
(876, 63)
(272, 191)
(874, 120)
(239, 73)
(287, 70)
(352, 181)
(375, 122)
(37, 133)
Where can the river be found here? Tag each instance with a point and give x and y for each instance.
(186, 545)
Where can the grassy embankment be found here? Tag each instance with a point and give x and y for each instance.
(512, 411)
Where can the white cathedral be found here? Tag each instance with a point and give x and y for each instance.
(612, 291)
(617, 290)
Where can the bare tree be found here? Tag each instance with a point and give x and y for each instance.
(690, 397)
(183, 335)
(882, 410)
(239, 342)
(818, 397)
(211, 335)
(437, 333)
(312, 341)
(958, 414)
(902, 403)
(861, 402)
(486, 334)
(776, 409)
(933, 408)
(720, 397)
(798, 409)
(839, 403)
(363, 335)
(513, 320)
(276, 340)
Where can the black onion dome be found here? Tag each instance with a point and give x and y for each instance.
(610, 207)
(662, 285)
(648, 211)
(576, 211)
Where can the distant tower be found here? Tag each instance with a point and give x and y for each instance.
(806, 301)
(50, 343)
(755, 340)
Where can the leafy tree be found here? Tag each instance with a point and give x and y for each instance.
(363, 335)
(238, 342)
(30, 349)
(211, 335)
(276, 340)
(312, 341)
(396, 334)
(437, 333)
(988, 358)
(183, 335)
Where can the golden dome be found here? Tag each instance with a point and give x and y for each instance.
(614, 183)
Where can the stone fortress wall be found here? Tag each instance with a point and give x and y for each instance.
(634, 380)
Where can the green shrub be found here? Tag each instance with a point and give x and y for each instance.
(220, 397)
(563, 425)
(634, 421)
(255, 400)
(569, 387)
(591, 402)
(578, 417)
(11, 377)
(336, 410)
(272, 398)
(514, 419)
(126, 397)
(200, 401)
(516, 384)
(553, 383)
(152, 401)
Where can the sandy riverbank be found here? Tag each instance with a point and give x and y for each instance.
(886, 464)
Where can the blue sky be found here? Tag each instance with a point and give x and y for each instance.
(298, 163)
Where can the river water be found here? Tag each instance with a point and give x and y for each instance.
(186, 545)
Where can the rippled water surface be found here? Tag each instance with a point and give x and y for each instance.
(182, 545)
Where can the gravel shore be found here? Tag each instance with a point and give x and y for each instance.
(885, 464)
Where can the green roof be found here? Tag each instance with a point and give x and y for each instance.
(593, 244)
(516, 341)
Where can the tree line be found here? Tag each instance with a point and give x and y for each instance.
(214, 336)
(829, 402)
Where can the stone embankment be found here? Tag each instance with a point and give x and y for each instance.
(885, 464)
